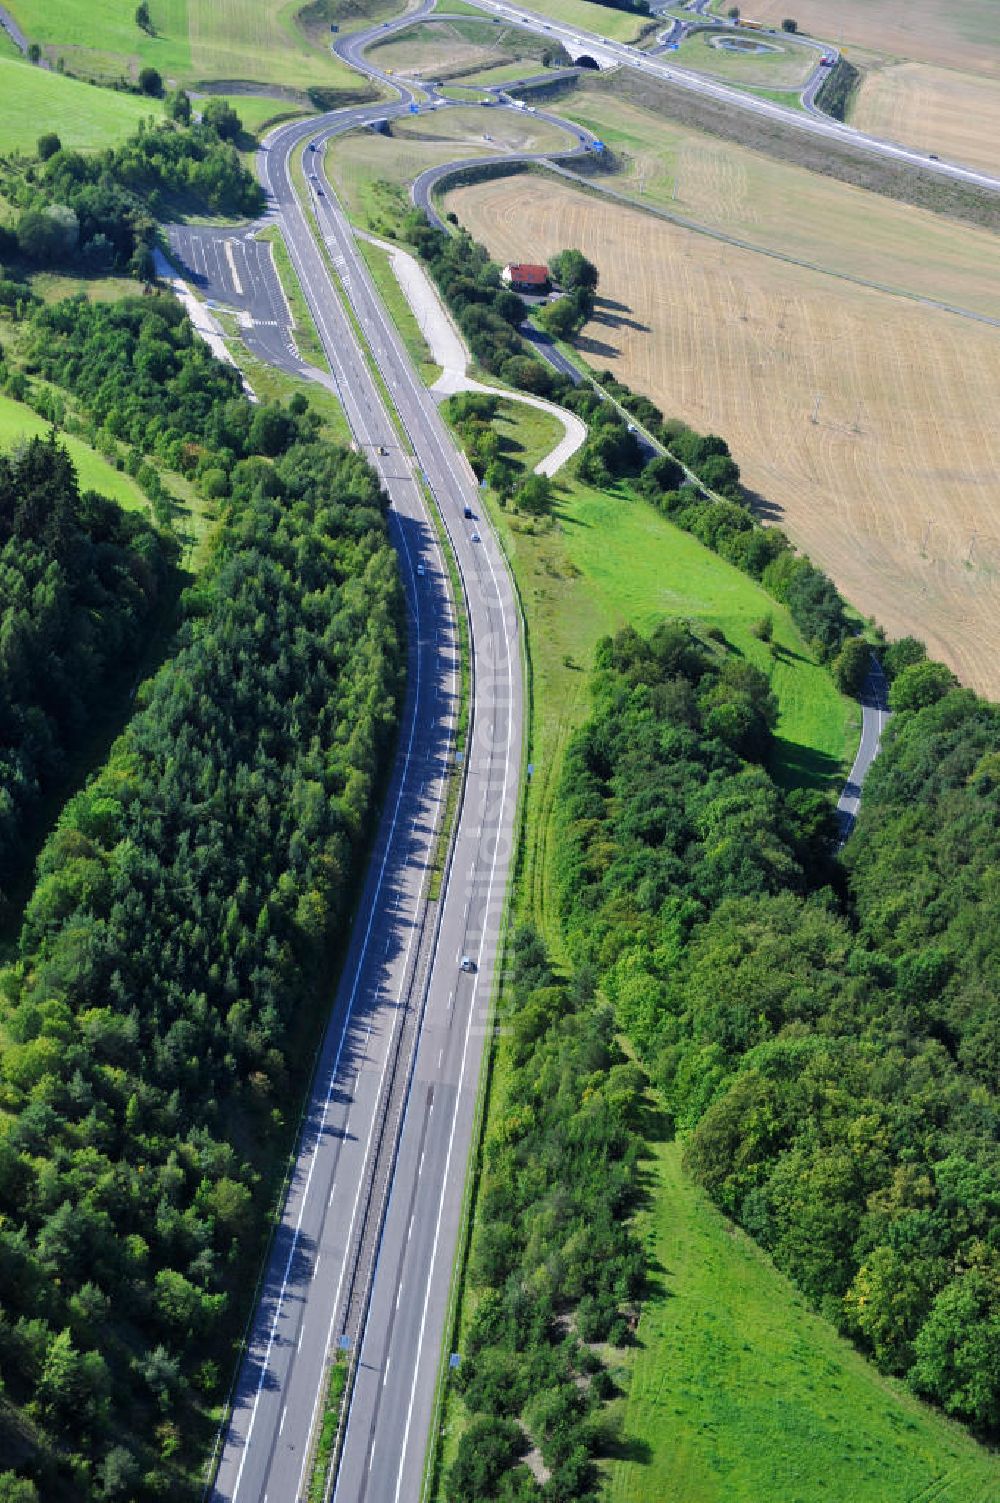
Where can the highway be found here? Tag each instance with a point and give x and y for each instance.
(381, 1163)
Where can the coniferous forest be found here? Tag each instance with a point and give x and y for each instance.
(79, 581)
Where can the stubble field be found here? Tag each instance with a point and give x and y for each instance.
(892, 488)
(955, 115)
(963, 34)
(835, 226)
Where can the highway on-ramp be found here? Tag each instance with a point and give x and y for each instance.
(381, 1164)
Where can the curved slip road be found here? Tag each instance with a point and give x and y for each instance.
(400, 1062)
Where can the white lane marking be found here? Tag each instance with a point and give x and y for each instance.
(230, 257)
(319, 1259)
(284, 1414)
(385, 1375)
(298, 1345)
(332, 1189)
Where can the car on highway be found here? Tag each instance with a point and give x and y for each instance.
(421, 571)
(466, 963)
(468, 512)
(476, 538)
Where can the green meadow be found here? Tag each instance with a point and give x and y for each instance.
(33, 101)
(17, 421)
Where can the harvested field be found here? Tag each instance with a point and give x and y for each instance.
(892, 488)
(955, 115)
(746, 194)
(963, 34)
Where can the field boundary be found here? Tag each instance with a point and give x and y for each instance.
(470, 176)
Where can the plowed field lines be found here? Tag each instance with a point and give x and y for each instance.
(893, 488)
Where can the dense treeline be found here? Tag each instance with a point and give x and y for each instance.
(79, 582)
(183, 923)
(831, 1052)
(145, 379)
(101, 208)
(554, 1264)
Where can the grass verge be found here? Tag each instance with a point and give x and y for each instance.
(336, 1384)
(440, 858)
(299, 182)
(380, 265)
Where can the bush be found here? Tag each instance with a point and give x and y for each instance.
(852, 666)
(223, 119)
(902, 654)
(920, 685)
(150, 82)
(48, 145)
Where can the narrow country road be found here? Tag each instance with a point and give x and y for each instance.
(874, 714)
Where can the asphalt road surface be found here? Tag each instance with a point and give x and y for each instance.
(874, 714)
(234, 271)
(381, 1164)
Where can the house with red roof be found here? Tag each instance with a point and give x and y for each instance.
(523, 277)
